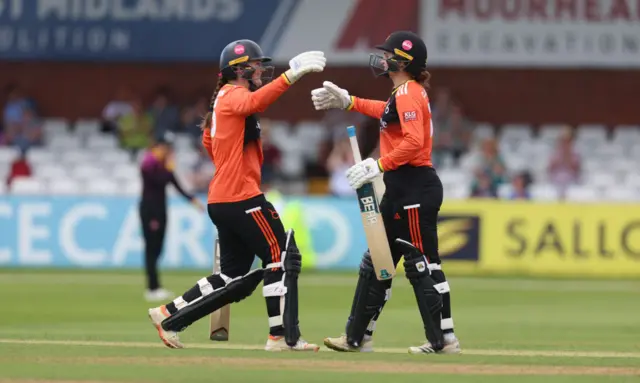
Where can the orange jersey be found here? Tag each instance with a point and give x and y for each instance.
(406, 129)
(233, 142)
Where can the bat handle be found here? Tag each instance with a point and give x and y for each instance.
(351, 131)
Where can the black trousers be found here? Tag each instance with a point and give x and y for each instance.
(153, 218)
(246, 229)
(410, 210)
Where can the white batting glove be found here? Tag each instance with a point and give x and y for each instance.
(330, 96)
(307, 62)
(363, 172)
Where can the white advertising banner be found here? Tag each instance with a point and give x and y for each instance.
(532, 33)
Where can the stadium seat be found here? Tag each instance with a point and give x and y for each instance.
(515, 133)
(126, 172)
(454, 177)
(623, 194)
(50, 171)
(599, 179)
(38, 156)
(591, 132)
(87, 127)
(101, 142)
(505, 191)
(88, 172)
(626, 135)
(482, 131)
(64, 141)
(55, 126)
(183, 142)
(77, 156)
(455, 192)
(633, 179)
(7, 155)
(131, 187)
(28, 186)
(544, 192)
(65, 186)
(549, 133)
(582, 193)
(114, 157)
(103, 187)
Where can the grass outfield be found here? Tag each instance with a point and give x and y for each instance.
(80, 326)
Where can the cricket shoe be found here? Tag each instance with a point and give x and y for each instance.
(340, 344)
(277, 343)
(158, 295)
(169, 338)
(451, 346)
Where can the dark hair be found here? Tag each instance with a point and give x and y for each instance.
(423, 78)
(206, 121)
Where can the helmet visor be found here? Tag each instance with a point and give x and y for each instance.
(381, 65)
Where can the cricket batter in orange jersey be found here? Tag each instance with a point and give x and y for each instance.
(247, 223)
(411, 201)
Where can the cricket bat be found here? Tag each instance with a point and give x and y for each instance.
(372, 220)
(219, 326)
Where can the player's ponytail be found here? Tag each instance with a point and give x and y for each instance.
(206, 121)
(423, 78)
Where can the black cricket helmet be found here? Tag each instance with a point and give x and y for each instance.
(409, 54)
(235, 59)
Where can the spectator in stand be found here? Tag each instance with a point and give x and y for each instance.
(17, 103)
(165, 115)
(483, 186)
(192, 119)
(520, 186)
(135, 129)
(115, 109)
(441, 107)
(453, 135)
(491, 163)
(20, 167)
(339, 161)
(564, 167)
(26, 133)
(271, 154)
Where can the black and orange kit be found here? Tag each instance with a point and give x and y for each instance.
(412, 199)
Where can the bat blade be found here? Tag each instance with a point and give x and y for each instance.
(219, 319)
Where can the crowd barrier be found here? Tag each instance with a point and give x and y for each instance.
(492, 236)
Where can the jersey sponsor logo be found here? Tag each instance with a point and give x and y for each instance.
(410, 116)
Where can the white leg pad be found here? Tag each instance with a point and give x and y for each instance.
(179, 302)
(446, 324)
(205, 287)
(442, 287)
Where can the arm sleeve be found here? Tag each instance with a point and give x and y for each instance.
(206, 142)
(411, 115)
(178, 187)
(371, 108)
(242, 101)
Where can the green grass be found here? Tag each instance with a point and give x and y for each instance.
(529, 317)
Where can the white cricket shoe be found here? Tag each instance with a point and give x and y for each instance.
(340, 344)
(451, 346)
(277, 343)
(158, 295)
(169, 338)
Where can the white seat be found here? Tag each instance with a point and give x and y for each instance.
(627, 135)
(183, 142)
(41, 156)
(582, 193)
(103, 187)
(88, 172)
(516, 132)
(516, 163)
(77, 157)
(49, 171)
(591, 132)
(65, 186)
(550, 132)
(505, 191)
(623, 194)
(598, 179)
(55, 126)
(114, 157)
(544, 192)
(126, 172)
(453, 176)
(7, 155)
(633, 179)
(64, 141)
(455, 192)
(131, 187)
(483, 131)
(28, 186)
(87, 126)
(101, 142)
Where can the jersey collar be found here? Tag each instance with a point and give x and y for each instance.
(398, 87)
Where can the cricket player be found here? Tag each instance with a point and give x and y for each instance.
(157, 171)
(247, 223)
(411, 201)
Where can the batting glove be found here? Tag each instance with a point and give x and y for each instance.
(363, 172)
(307, 62)
(330, 96)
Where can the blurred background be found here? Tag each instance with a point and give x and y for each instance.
(535, 109)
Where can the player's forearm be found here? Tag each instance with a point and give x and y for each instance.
(259, 100)
(371, 108)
